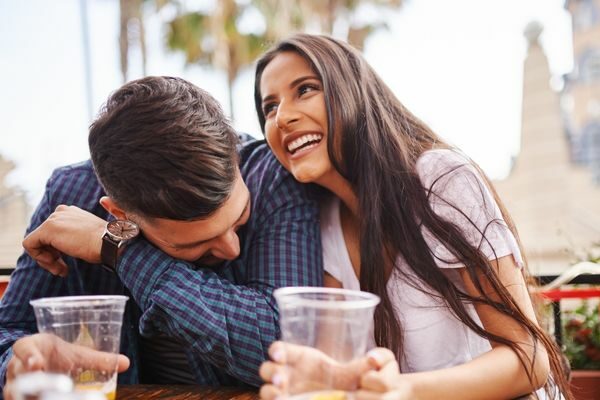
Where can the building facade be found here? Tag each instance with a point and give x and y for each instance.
(581, 95)
(553, 190)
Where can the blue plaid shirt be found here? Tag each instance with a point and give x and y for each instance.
(226, 317)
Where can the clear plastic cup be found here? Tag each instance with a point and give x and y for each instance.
(338, 324)
(85, 322)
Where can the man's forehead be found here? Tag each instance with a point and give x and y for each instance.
(189, 233)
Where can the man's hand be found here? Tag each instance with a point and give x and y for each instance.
(298, 369)
(68, 230)
(45, 352)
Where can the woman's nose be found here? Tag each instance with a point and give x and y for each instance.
(286, 116)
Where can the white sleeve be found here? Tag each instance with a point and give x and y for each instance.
(459, 194)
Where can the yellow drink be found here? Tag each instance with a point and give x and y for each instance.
(97, 387)
(321, 395)
(333, 395)
(93, 381)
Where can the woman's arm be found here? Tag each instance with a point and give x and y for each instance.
(330, 281)
(497, 374)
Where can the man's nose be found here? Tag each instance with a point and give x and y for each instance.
(227, 246)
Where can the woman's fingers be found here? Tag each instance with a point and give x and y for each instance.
(269, 392)
(288, 353)
(277, 352)
(383, 380)
(380, 356)
(392, 395)
(271, 372)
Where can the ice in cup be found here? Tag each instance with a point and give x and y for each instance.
(335, 322)
(85, 322)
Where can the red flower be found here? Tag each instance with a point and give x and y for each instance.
(573, 324)
(583, 336)
(593, 353)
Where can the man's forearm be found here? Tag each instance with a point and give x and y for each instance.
(227, 325)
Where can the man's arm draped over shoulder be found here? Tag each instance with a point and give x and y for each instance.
(231, 324)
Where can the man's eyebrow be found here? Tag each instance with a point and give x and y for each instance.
(198, 243)
(244, 210)
(294, 83)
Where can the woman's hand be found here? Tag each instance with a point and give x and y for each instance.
(299, 369)
(385, 381)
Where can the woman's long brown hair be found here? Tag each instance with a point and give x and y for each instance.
(374, 143)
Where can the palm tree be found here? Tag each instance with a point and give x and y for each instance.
(327, 12)
(216, 40)
(131, 29)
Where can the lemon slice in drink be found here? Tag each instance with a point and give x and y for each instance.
(84, 338)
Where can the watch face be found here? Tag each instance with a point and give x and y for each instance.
(123, 229)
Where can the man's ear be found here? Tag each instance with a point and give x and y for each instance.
(112, 207)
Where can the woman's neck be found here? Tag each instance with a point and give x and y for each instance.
(339, 186)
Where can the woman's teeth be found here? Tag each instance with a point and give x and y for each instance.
(304, 141)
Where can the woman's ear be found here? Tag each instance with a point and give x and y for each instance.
(109, 205)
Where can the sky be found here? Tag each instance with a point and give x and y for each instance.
(455, 64)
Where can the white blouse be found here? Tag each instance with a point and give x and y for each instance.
(433, 337)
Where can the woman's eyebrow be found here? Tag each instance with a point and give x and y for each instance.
(294, 83)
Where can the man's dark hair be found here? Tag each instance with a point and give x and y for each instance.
(162, 148)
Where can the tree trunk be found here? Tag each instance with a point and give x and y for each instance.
(124, 9)
(230, 94)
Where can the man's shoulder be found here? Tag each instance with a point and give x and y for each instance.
(269, 182)
(82, 172)
(259, 165)
(75, 184)
(81, 168)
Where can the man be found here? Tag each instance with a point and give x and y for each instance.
(166, 160)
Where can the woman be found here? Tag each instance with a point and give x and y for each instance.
(410, 219)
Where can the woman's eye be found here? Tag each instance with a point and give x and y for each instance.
(269, 108)
(306, 88)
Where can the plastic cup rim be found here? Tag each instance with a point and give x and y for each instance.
(78, 301)
(365, 300)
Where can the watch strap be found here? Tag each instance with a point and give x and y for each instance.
(109, 252)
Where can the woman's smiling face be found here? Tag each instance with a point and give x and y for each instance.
(293, 105)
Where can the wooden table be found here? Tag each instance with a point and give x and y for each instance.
(183, 392)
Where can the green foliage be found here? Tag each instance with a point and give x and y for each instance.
(185, 34)
(215, 38)
(581, 336)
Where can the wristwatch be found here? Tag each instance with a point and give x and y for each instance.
(116, 234)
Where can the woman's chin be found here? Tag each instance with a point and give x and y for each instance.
(304, 176)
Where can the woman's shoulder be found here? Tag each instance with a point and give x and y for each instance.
(436, 159)
(445, 164)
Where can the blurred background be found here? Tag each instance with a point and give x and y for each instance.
(513, 83)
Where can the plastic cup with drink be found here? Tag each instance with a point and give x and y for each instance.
(90, 327)
(334, 326)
